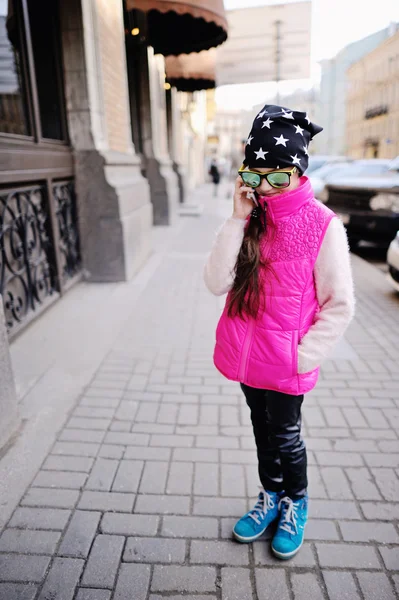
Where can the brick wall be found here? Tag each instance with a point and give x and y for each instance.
(113, 61)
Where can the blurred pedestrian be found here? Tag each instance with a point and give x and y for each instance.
(283, 258)
(215, 175)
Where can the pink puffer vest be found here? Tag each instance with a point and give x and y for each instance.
(263, 353)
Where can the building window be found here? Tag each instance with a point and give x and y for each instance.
(31, 89)
(14, 113)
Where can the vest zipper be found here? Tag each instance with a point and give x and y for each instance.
(245, 349)
(251, 325)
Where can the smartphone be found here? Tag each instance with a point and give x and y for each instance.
(254, 197)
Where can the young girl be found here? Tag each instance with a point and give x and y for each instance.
(283, 258)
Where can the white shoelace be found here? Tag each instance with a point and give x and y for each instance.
(261, 507)
(288, 523)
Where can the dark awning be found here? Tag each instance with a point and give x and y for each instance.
(192, 72)
(182, 26)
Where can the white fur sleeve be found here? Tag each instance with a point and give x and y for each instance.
(334, 288)
(219, 268)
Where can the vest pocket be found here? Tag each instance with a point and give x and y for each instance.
(294, 351)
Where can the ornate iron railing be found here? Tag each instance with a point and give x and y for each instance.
(39, 248)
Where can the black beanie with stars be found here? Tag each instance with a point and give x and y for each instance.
(279, 139)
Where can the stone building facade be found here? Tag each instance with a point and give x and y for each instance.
(94, 149)
(372, 126)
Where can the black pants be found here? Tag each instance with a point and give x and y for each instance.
(276, 421)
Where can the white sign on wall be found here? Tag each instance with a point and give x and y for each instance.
(266, 43)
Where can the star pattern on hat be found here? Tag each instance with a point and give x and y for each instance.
(286, 114)
(267, 123)
(307, 118)
(262, 114)
(298, 129)
(306, 151)
(249, 140)
(281, 140)
(260, 153)
(295, 160)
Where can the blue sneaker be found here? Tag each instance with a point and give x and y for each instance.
(290, 530)
(256, 521)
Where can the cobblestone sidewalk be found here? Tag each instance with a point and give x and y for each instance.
(138, 496)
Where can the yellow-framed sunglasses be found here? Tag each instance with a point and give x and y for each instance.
(277, 179)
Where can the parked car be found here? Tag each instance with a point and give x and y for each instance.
(367, 202)
(328, 172)
(393, 263)
(319, 160)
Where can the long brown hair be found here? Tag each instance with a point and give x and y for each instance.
(247, 295)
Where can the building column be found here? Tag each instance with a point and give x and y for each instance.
(113, 200)
(157, 162)
(175, 140)
(9, 419)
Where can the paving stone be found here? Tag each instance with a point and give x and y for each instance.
(233, 480)
(264, 556)
(51, 498)
(80, 534)
(390, 557)
(92, 594)
(387, 482)
(209, 415)
(153, 428)
(316, 486)
(154, 477)
(175, 441)
(102, 475)
(128, 476)
(382, 460)
(141, 453)
(81, 435)
(23, 568)
(305, 586)
(354, 417)
(385, 511)
(321, 529)
(348, 556)
(68, 463)
(334, 417)
(188, 414)
(97, 402)
(111, 451)
(340, 585)
(28, 541)
(186, 597)
(336, 483)
(195, 455)
(236, 584)
(103, 563)
(127, 439)
(180, 478)
(183, 579)
(218, 553)
(133, 582)
(189, 527)
(75, 449)
(94, 413)
(215, 507)
(17, 591)
(124, 524)
(104, 501)
(362, 484)
(154, 550)
(120, 426)
(62, 579)
(92, 424)
(339, 459)
(40, 518)
(243, 457)
(334, 509)
(163, 505)
(271, 584)
(370, 531)
(59, 479)
(375, 586)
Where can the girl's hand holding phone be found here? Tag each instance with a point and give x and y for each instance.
(244, 200)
